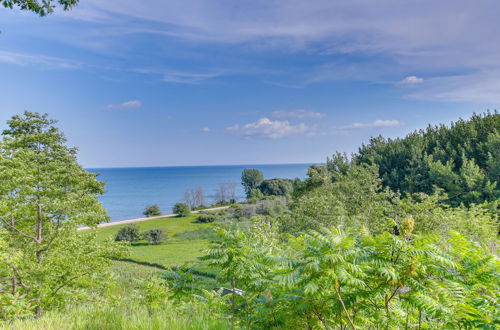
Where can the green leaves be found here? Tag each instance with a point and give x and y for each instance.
(42, 9)
(44, 196)
(330, 279)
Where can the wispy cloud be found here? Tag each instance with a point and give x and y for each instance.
(181, 77)
(380, 123)
(300, 114)
(42, 61)
(410, 80)
(395, 38)
(266, 128)
(125, 105)
(476, 87)
(206, 129)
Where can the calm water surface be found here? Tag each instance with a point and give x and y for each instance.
(130, 190)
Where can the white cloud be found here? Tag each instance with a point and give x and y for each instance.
(124, 105)
(205, 129)
(410, 80)
(267, 128)
(376, 123)
(300, 114)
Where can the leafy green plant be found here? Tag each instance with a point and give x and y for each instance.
(129, 233)
(152, 210)
(155, 236)
(181, 209)
(206, 218)
(15, 306)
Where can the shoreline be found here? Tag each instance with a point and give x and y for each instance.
(169, 215)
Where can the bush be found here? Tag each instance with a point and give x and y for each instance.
(276, 187)
(128, 233)
(152, 210)
(205, 218)
(155, 236)
(181, 209)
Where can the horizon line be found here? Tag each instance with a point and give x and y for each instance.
(172, 166)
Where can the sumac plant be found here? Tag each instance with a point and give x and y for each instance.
(334, 280)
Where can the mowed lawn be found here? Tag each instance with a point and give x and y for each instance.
(175, 251)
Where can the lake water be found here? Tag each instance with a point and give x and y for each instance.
(130, 190)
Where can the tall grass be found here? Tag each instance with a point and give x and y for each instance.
(91, 317)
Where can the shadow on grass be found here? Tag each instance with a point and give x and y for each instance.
(144, 263)
(141, 244)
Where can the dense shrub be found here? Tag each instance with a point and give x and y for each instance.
(181, 209)
(271, 207)
(205, 218)
(155, 236)
(334, 280)
(152, 210)
(276, 187)
(128, 233)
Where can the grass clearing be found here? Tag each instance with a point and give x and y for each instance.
(186, 239)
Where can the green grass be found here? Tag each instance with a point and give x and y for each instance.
(179, 248)
(123, 318)
(186, 240)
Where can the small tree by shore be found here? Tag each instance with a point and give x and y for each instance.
(152, 210)
(181, 209)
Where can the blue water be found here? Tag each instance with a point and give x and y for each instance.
(130, 190)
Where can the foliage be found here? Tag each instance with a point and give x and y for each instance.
(276, 187)
(44, 196)
(461, 159)
(42, 9)
(152, 210)
(129, 233)
(181, 209)
(354, 199)
(330, 279)
(206, 218)
(155, 236)
(251, 179)
(14, 306)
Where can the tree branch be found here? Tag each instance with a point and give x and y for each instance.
(337, 290)
(19, 231)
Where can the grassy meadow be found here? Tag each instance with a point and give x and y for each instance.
(185, 242)
(186, 238)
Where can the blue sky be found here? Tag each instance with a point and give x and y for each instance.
(195, 82)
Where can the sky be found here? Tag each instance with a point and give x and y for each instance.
(196, 82)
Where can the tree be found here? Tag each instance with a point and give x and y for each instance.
(128, 234)
(194, 197)
(276, 187)
(459, 158)
(225, 193)
(44, 196)
(152, 210)
(181, 209)
(250, 179)
(155, 236)
(44, 8)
